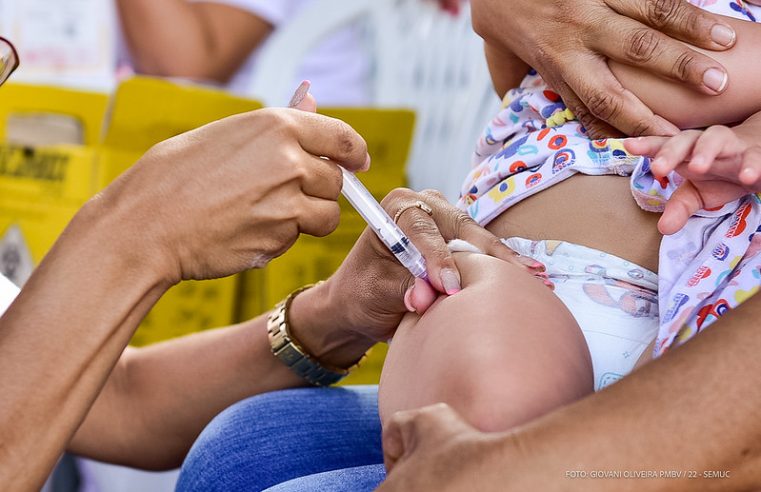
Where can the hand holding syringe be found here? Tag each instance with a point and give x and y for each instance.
(368, 207)
(383, 225)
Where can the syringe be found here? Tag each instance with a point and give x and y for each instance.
(383, 226)
(370, 210)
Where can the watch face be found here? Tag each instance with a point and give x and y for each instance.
(8, 59)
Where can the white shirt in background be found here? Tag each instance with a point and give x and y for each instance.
(338, 67)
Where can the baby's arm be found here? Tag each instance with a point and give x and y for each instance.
(689, 109)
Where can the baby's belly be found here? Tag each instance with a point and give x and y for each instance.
(595, 211)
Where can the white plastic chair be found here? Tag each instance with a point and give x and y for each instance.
(422, 59)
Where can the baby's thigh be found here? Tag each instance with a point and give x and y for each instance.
(502, 351)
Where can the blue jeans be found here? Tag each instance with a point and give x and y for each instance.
(326, 439)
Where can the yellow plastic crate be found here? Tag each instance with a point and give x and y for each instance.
(40, 191)
(42, 188)
(88, 108)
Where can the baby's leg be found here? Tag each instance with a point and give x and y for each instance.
(502, 351)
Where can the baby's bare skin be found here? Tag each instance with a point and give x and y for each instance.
(594, 211)
(505, 335)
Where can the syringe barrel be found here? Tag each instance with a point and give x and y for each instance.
(383, 225)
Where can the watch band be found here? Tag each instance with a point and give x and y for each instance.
(292, 354)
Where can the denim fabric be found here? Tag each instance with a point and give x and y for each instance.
(276, 437)
(357, 479)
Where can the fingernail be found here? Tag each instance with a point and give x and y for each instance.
(749, 175)
(366, 166)
(723, 35)
(698, 163)
(408, 300)
(549, 284)
(530, 262)
(715, 79)
(300, 94)
(451, 281)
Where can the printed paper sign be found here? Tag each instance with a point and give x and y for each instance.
(62, 42)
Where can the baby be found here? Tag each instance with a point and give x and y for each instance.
(506, 350)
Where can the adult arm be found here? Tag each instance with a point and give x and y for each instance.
(159, 398)
(196, 40)
(568, 41)
(208, 203)
(696, 409)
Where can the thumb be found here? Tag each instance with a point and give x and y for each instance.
(420, 296)
(684, 202)
(302, 99)
(428, 427)
(309, 104)
(398, 437)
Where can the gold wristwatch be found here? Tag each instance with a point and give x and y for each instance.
(292, 354)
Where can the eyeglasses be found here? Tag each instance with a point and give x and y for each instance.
(8, 59)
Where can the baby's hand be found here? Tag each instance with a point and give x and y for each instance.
(718, 164)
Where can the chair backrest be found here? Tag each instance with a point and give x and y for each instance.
(422, 59)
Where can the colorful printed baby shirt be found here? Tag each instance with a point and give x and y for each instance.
(711, 266)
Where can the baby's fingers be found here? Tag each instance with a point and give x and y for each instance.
(750, 175)
(716, 141)
(674, 152)
(684, 202)
(645, 146)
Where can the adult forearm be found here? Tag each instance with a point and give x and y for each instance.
(163, 37)
(62, 336)
(694, 410)
(178, 38)
(160, 398)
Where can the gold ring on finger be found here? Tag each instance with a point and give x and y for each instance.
(418, 204)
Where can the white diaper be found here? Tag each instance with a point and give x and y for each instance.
(615, 302)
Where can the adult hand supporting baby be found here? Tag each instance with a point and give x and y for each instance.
(433, 448)
(372, 290)
(569, 44)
